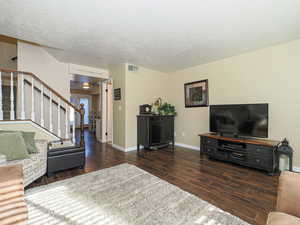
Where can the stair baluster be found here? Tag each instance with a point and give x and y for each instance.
(12, 105)
(73, 124)
(67, 123)
(50, 114)
(32, 100)
(58, 117)
(1, 104)
(22, 98)
(42, 105)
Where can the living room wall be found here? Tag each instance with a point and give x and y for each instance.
(270, 75)
(35, 59)
(118, 72)
(143, 86)
(137, 87)
(7, 52)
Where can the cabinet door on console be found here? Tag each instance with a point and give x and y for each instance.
(261, 156)
(143, 129)
(168, 124)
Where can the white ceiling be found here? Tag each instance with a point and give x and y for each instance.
(166, 35)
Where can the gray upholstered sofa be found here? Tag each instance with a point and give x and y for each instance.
(36, 165)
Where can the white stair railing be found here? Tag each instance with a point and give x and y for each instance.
(1, 104)
(67, 122)
(58, 118)
(42, 106)
(22, 98)
(50, 114)
(12, 98)
(31, 104)
(32, 100)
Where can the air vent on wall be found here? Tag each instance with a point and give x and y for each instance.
(132, 68)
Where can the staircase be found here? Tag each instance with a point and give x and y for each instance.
(26, 99)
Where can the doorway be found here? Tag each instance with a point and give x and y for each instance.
(87, 91)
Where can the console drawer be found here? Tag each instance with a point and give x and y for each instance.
(222, 155)
(211, 141)
(209, 150)
(261, 161)
(258, 149)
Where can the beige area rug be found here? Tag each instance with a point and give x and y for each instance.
(121, 195)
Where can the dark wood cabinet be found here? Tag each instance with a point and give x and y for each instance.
(255, 153)
(154, 131)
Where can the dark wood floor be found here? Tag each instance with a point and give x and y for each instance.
(246, 193)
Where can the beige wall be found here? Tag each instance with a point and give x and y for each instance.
(8, 51)
(142, 87)
(137, 88)
(270, 75)
(118, 73)
(35, 59)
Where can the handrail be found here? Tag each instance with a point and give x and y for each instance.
(45, 85)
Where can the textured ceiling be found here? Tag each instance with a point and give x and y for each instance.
(166, 35)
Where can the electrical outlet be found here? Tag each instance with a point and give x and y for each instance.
(174, 134)
(183, 134)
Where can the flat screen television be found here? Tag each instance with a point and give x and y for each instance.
(250, 120)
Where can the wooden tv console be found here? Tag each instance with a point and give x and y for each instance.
(255, 153)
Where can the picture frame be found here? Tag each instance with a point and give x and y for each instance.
(117, 94)
(196, 94)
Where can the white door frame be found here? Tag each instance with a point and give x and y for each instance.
(105, 110)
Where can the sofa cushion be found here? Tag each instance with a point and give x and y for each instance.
(13, 146)
(29, 141)
(278, 218)
(28, 138)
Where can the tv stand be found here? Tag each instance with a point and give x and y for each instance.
(251, 152)
(229, 135)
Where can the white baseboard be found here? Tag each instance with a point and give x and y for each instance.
(132, 148)
(118, 147)
(101, 141)
(296, 169)
(188, 146)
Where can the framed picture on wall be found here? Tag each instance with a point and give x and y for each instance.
(196, 94)
(117, 94)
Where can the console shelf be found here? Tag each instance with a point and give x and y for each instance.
(255, 153)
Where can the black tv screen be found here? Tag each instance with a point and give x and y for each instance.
(240, 120)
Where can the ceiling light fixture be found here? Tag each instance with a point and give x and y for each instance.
(85, 85)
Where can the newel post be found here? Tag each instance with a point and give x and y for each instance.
(81, 109)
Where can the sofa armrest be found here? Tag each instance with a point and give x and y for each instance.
(289, 193)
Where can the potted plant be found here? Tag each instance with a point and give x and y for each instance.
(167, 109)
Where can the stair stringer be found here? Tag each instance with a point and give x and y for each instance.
(27, 125)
